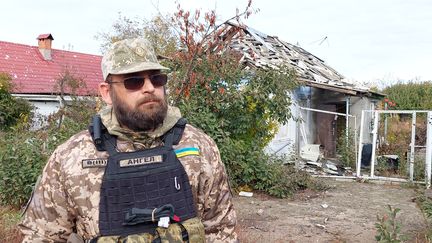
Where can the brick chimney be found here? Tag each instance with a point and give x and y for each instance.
(44, 43)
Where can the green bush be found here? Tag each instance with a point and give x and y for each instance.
(21, 162)
(24, 152)
(425, 204)
(410, 96)
(249, 167)
(346, 149)
(12, 110)
(287, 180)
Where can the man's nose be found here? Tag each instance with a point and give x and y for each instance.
(148, 86)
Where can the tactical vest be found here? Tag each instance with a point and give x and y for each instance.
(138, 188)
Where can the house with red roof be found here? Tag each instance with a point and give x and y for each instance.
(37, 71)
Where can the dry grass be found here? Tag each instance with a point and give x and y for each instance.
(9, 219)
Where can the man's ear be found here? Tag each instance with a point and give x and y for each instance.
(104, 90)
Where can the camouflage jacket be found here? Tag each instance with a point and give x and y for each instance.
(67, 198)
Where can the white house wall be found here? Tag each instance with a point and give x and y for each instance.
(284, 142)
(357, 105)
(299, 130)
(45, 108)
(44, 105)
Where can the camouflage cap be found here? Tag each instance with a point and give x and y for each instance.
(129, 56)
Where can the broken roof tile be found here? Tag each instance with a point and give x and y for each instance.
(270, 51)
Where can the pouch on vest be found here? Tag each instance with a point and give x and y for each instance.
(189, 231)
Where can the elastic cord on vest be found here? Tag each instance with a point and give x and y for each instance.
(153, 219)
(138, 215)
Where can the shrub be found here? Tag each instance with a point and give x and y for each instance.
(23, 152)
(397, 142)
(346, 149)
(425, 204)
(250, 168)
(12, 110)
(288, 180)
(21, 161)
(405, 96)
(388, 229)
(410, 96)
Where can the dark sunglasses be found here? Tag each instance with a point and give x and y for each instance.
(135, 83)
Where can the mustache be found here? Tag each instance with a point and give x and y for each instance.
(150, 98)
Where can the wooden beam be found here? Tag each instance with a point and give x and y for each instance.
(329, 87)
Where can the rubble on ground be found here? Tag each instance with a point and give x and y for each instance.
(312, 161)
(323, 167)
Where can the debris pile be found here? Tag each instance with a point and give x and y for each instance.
(312, 161)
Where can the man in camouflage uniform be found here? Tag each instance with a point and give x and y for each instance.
(66, 200)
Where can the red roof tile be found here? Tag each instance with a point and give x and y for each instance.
(31, 74)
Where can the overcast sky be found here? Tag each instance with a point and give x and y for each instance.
(365, 40)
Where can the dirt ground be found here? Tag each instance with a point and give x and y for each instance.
(345, 213)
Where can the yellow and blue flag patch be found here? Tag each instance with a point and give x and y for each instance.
(186, 151)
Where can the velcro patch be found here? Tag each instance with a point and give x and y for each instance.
(92, 163)
(141, 161)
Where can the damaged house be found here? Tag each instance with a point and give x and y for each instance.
(325, 106)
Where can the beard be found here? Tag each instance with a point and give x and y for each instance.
(142, 118)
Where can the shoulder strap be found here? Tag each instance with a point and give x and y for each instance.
(173, 136)
(102, 140)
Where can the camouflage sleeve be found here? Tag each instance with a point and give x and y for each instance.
(218, 215)
(48, 218)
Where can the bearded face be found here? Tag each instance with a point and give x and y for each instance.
(143, 114)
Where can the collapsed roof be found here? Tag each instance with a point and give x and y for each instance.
(260, 50)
